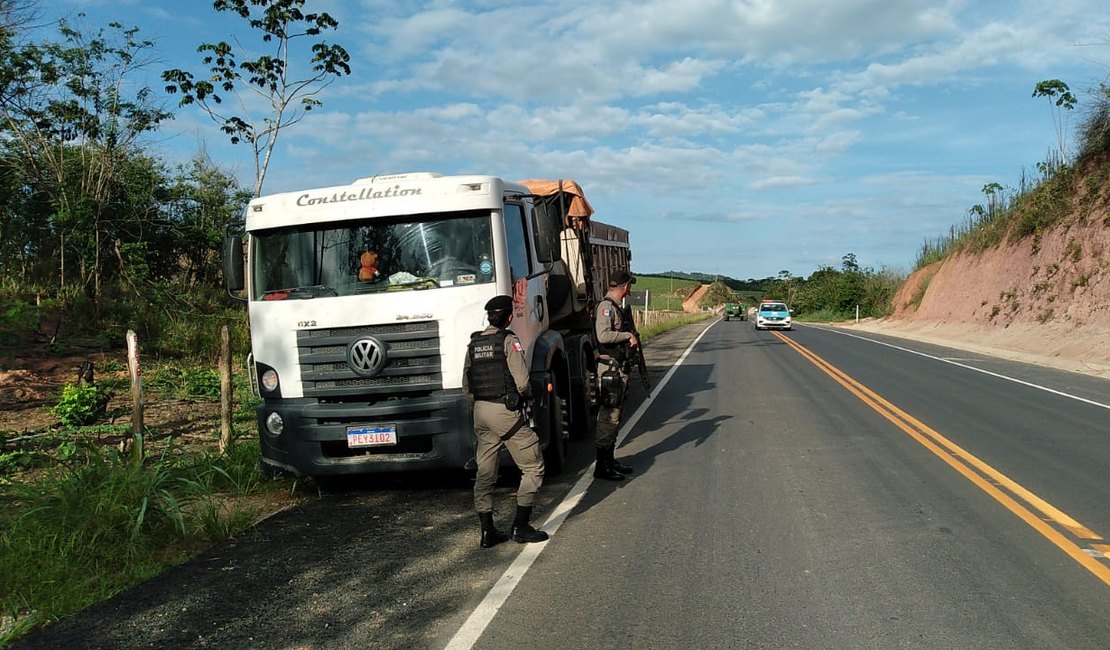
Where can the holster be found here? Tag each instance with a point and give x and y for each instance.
(612, 387)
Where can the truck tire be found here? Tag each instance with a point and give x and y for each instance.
(583, 419)
(555, 455)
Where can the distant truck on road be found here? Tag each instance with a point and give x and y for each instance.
(362, 299)
(735, 310)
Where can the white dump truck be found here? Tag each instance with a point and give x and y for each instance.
(362, 299)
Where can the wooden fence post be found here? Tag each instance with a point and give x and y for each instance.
(136, 372)
(226, 432)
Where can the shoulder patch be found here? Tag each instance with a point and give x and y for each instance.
(516, 346)
(606, 312)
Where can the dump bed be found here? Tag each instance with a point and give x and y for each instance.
(590, 251)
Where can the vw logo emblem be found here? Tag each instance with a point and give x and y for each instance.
(366, 356)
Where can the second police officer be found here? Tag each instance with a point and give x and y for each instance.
(615, 339)
(495, 374)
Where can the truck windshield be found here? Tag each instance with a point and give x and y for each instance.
(403, 254)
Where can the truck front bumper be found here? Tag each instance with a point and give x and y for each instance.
(433, 432)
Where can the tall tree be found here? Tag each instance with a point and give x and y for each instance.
(15, 14)
(73, 115)
(281, 25)
(202, 201)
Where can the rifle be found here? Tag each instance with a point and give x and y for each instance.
(636, 354)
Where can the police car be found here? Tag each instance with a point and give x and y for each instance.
(772, 314)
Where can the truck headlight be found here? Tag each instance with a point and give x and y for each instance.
(270, 380)
(274, 424)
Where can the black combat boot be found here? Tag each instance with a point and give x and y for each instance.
(490, 535)
(616, 464)
(603, 469)
(523, 531)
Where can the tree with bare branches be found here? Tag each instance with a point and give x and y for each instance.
(282, 27)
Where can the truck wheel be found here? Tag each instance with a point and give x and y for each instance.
(555, 455)
(583, 420)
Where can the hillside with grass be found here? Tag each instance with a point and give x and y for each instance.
(1027, 271)
(665, 293)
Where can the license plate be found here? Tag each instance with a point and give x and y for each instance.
(385, 434)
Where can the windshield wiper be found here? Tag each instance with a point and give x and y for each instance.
(304, 293)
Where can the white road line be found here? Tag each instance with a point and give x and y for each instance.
(964, 365)
(480, 618)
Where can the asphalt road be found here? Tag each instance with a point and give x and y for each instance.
(811, 489)
(779, 510)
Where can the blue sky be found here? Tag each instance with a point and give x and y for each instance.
(736, 137)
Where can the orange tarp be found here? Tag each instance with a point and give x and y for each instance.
(580, 208)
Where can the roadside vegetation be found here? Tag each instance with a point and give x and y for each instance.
(1046, 199)
(99, 236)
(827, 294)
(670, 321)
(97, 523)
(81, 521)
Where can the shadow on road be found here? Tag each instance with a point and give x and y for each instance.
(388, 561)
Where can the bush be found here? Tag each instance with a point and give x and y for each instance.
(202, 382)
(1094, 133)
(17, 317)
(81, 405)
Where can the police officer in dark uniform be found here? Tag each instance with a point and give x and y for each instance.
(615, 338)
(495, 375)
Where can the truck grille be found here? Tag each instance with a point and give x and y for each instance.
(412, 361)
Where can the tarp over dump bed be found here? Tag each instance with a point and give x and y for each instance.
(579, 211)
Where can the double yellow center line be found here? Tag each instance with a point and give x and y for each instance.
(999, 486)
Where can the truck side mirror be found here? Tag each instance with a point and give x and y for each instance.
(233, 263)
(547, 224)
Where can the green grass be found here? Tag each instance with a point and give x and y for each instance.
(670, 321)
(98, 523)
(1035, 208)
(664, 292)
(825, 316)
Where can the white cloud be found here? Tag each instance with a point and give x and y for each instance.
(772, 31)
(675, 77)
(674, 119)
(781, 182)
(840, 118)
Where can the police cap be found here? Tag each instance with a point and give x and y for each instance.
(621, 277)
(499, 303)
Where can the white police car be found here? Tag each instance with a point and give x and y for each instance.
(772, 315)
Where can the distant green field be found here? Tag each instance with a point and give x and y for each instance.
(664, 291)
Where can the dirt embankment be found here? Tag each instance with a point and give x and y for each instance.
(690, 304)
(1044, 299)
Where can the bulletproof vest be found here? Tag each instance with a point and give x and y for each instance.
(618, 351)
(489, 371)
